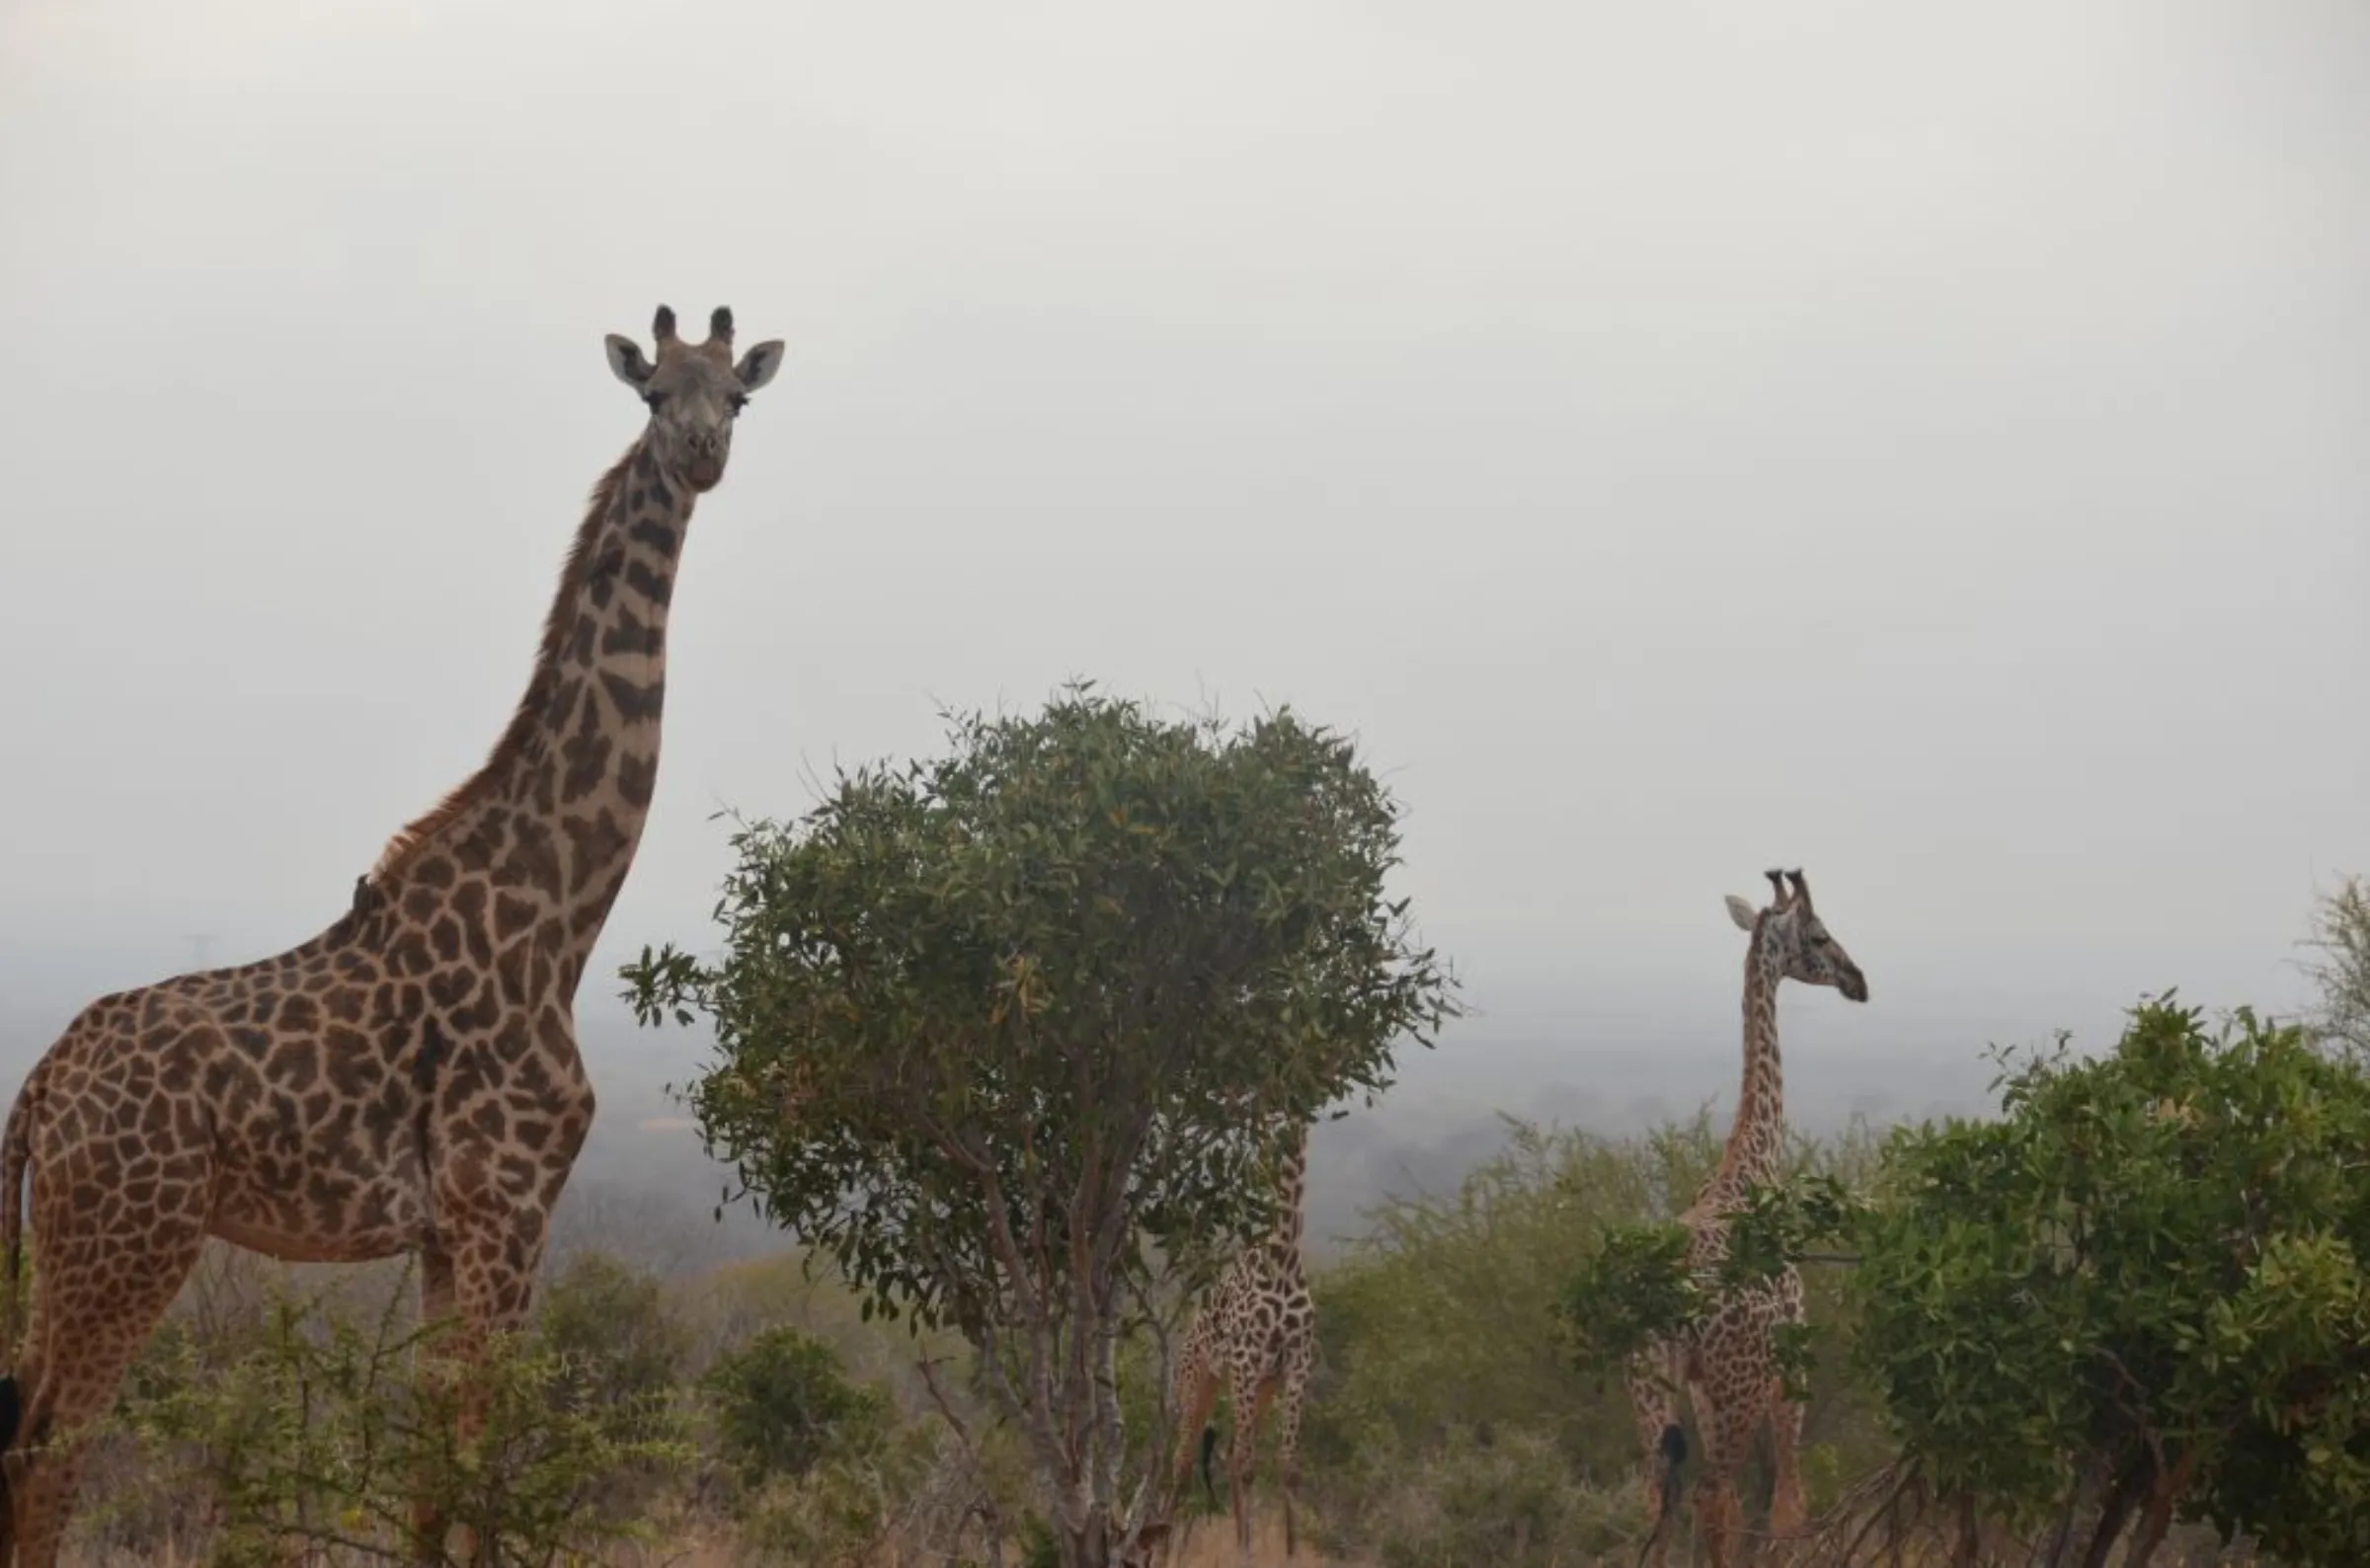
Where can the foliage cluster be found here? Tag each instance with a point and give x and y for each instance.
(2140, 1290)
(316, 1428)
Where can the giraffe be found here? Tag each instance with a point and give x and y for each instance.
(1256, 1329)
(407, 1079)
(1728, 1361)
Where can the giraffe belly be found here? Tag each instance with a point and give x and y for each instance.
(277, 1234)
(337, 1202)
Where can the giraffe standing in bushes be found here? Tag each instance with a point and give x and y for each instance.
(1728, 1362)
(1257, 1330)
(407, 1080)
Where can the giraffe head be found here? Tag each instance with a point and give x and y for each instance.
(1791, 931)
(694, 391)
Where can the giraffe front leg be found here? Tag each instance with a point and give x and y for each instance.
(1727, 1418)
(1291, 1407)
(436, 1315)
(493, 1285)
(1249, 1394)
(1789, 1513)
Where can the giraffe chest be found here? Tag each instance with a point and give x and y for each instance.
(1264, 1313)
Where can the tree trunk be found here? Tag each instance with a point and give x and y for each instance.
(2156, 1520)
(2114, 1510)
(1970, 1535)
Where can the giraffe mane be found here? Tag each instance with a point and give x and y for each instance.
(414, 836)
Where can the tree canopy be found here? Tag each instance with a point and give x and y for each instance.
(2141, 1287)
(1011, 1034)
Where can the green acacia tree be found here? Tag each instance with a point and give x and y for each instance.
(1010, 1033)
(2136, 1297)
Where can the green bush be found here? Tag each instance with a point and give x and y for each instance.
(783, 1405)
(1478, 1500)
(607, 1325)
(2141, 1288)
(321, 1432)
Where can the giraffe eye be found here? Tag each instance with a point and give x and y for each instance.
(655, 399)
(739, 401)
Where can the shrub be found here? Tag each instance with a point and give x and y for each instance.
(783, 1405)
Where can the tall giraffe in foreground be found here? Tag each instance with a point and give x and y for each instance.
(1728, 1361)
(1257, 1329)
(407, 1080)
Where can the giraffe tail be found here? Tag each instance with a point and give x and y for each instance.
(16, 1157)
(1671, 1452)
(1209, 1453)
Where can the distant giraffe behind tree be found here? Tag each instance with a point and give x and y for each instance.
(1729, 1362)
(1256, 1331)
(407, 1080)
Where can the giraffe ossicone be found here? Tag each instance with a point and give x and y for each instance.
(1728, 1362)
(407, 1079)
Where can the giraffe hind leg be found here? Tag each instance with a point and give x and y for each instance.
(1653, 1388)
(1249, 1394)
(95, 1317)
(1195, 1395)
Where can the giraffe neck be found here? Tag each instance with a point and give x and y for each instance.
(549, 826)
(1754, 1143)
(1290, 1199)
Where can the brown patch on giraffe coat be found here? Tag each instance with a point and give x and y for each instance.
(628, 634)
(637, 779)
(586, 753)
(634, 702)
(533, 861)
(597, 843)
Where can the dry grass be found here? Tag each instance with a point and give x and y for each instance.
(1212, 1545)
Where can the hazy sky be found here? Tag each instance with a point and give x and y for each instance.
(1927, 444)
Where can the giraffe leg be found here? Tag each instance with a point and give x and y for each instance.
(1727, 1425)
(1788, 1513)
(1653, 1385)
(494, 1266)
(1194, 1393)
(97, 1302)
(1289, 1407)
(436, 1307)
(1249, 1394)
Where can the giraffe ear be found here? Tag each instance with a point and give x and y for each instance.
(1743, 914)
(757, 368)
(626, 361)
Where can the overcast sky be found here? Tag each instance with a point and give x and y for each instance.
(1925, 444)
